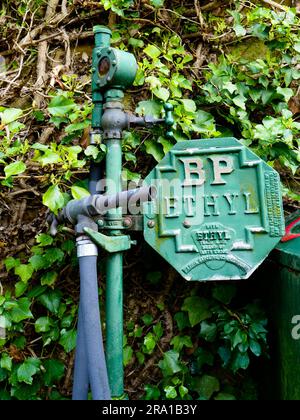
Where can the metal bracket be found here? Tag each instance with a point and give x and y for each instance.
(128, 222)
(110, 243)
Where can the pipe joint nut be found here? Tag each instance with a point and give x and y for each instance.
(86, 248)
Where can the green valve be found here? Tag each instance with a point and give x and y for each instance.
(112, 68)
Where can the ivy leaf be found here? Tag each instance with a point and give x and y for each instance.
(136, 43)
(9, 115)
(43, 324)
(79, 192)
(3, 374)
(155, 149)
(204, 357)
(38, 262)
(171, 392)
(152, 392)
(51, 300)
(157, 3)
(166, 144)
(127, 355)
(178, 342)
(77, 126)
(43, 239)
(49, 278)
(170, 363)
(68, 340)
(223, 396)
(287, 93)
(6, 362)
(207, 386)
(182, 320)
(20, 288)
(197, 308)
(53, 198)
(241, 361)
(255, 347)
(296, 47)
(60, 106)
(208, 331)
(239, 30)
(24, 271)
(21, 310)
(49, 157)
(152, 51)
(28, 369)
(14, 168)
(151, 107)
(147, 319)
(11, 262)
(150, 342)
(162, 93)
(183, 391)
(189, 105)
(54, 371)
(204, 123)
(52, 255)
(240, 101)
(26, 392)
(158, 330)
(92, 151)
(230, 87)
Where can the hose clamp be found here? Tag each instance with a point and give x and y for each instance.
(86, 248)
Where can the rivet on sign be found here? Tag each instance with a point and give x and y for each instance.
(186, 224)
(127, 222)
(151, 224)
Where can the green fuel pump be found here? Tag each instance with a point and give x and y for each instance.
(211, 208)
(112, 72)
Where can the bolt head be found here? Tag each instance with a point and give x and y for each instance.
(127, 222)
(100, 223)
(151, 224)
(186, 224)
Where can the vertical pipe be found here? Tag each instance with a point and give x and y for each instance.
(114, 279)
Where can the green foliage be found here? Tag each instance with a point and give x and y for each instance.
(209, 354)
(56, 326)
(248, 87)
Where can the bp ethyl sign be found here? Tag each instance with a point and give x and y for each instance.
(218, 210)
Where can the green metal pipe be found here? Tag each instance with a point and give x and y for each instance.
(114, 323)
(114, 278)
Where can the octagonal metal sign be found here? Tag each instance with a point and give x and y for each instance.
(218, 209)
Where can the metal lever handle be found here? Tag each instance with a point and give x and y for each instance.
(169, 119)
(149, 121)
